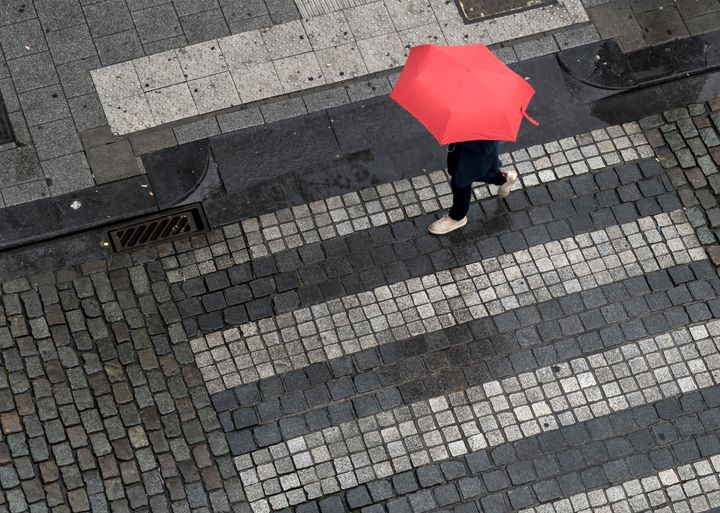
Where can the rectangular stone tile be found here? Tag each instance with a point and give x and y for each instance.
(547, 18)
(536, 48)
(576, 10)
(129, 114)
(704, 23)
(216, 92)
(328, 30)
(33, 71)
(407, 14)
(200, 129)
(299, 72)
(152, 140)
(457, 33)
(204, 26)
(108, 17)
(25, 192)
(244, 49)
(155, 23)
(71, 44)
(257, 81)
(369, 20)
(163, 45)
(171, 103)
(241, 118)
(159, 70)
(44, 105)
(20, 165)
(283, 109)
(255, 23)
(512, 26)
(327, 99)
(341, 62)
(16, 11)
(117, 81)
(112, 162)
(286, 40)
(55, 139)
(68, 173)
(383, 52)
(577, 36)
(201, 60)
(661, 25)
(22, 39)
(185, 7)
(75, 76)
(87, 112)
(429, 34)
(59, 14)
(119, 47)
(243, 9)
(282, 11)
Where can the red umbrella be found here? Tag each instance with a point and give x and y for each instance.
(463, 93)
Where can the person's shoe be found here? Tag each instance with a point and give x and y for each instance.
(446, 224)
(510, 179)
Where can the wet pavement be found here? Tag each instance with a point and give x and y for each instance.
(318, 351)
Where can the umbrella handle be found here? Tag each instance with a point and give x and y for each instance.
(531, 120)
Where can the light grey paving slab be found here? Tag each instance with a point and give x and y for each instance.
(506, 54)
(369, 20)
(244, 49)
(117, 81)
(406, 14)
(458, 33)
(215, 92)
(286, 39)
(239, 119)
(25, 192)
(326, 99)
(512, 26)
(201, 60)
(257, 81)
(200, 129)
(368, 89)
(328, 30)
(576, 10)
(68, 173)
(341, 62)
(299, 72)
(430, 34)
(535, 48)
(171, 103)
(283, 109)
(129, 114)
(159, 70)
(547, 18)
(383, 52)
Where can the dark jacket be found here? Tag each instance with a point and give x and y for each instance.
(478, 161)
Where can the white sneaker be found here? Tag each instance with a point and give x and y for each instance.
(510, 179)
(446, 224)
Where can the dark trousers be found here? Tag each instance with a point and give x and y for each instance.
(463, 195)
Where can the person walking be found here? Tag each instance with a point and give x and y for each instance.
(468, 162)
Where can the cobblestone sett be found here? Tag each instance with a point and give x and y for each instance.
(491, 286)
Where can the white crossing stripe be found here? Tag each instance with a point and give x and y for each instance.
(497, 412)
(433, 302)
(691, 488)
(380, 205)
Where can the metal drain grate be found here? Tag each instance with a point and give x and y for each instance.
(157, 228)
(6, 133)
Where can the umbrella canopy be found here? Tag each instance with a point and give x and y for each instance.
(463, 93)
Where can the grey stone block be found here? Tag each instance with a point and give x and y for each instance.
(247, 24)
(368, 89)
(535, 48)
(112, 162)
(59, 14)
(186, 7)
(19, 165)
(152, 140)
(283, 109)
(163, 45)
(205, 26)
(25, 192)
(22, 39)
(33, 71)
(157, 23)
(282, 11)
(108, 17)
(75, 76)
(239, 119)
(120, 47)
(326, 99)
(55, 139)
(15, 11)
(577, 36)
(44, 105)
(68, 173)
(200, 129)
(241, 10)
(87, 111)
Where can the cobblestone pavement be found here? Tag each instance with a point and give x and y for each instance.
(559, 354)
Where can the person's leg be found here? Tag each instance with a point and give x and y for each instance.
(504, 179)
(461, 200)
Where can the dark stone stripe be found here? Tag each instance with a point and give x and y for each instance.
(320, 272)
(378, 379)
(596, 454)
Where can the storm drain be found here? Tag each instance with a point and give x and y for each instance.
(476, 10)
(157, 228)
(6, 134)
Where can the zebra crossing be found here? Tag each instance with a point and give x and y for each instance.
(353, 399)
